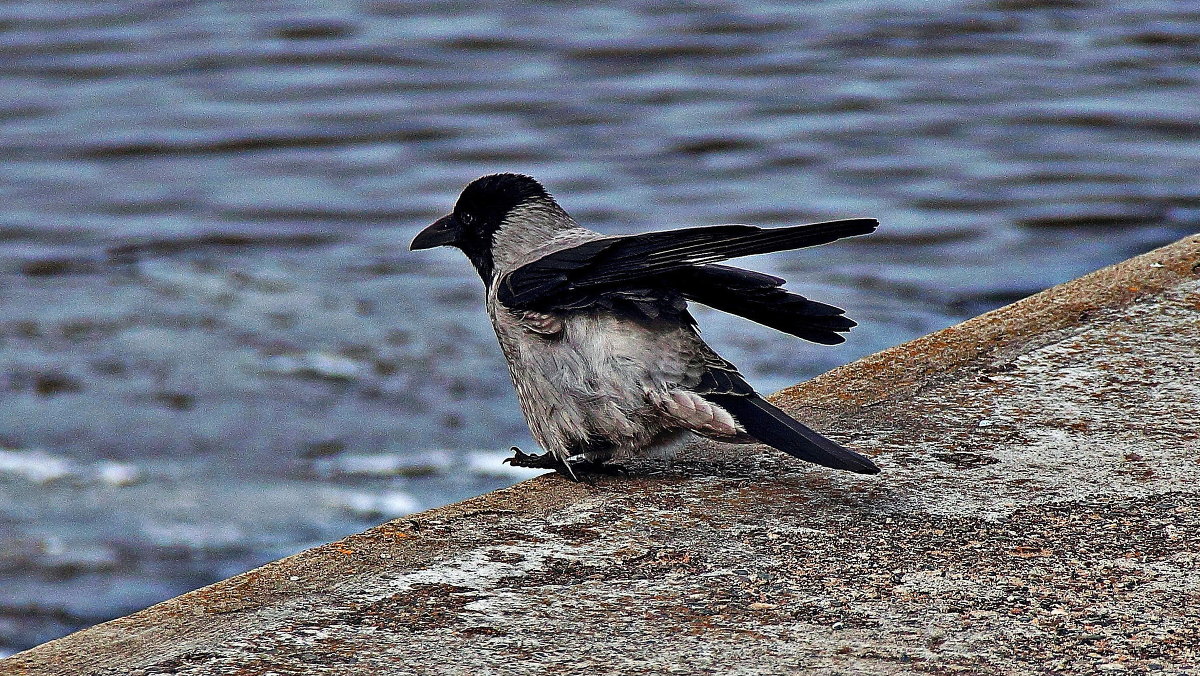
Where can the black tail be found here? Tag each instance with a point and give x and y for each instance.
(775, 428)
(759, 298)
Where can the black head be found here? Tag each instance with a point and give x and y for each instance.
(477, 215)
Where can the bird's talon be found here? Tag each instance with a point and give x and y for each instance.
(532, 460)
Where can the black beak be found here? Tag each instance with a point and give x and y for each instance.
(443, 231)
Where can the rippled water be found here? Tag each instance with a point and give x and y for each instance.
(216, 349)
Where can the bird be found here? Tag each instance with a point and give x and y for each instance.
(607, 362)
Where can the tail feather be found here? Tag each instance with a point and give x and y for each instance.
(773, 427)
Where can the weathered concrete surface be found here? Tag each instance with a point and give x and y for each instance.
(1038, 511)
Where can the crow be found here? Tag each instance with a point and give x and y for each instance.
(607, 362)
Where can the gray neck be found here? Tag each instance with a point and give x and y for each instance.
(527, 227)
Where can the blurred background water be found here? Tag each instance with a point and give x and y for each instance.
(216, 349)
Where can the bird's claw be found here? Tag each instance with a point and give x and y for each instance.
(575, 468)
(532, 460)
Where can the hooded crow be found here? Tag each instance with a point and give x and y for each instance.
(606, 359)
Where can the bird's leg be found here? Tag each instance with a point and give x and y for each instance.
(581, 465)
(544, 461)
(594, 467)
(576, 467)
(533, 461)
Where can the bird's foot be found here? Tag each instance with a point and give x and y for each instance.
(576, 467)
(583, 468)
(533, 460)
(601, 468)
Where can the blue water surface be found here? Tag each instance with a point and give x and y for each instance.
(217, 349)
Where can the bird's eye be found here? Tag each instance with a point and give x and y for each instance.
(466, 219)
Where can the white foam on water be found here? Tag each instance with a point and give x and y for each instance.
(383, 464)
(38, 466)
(34, 465)
(367, 504)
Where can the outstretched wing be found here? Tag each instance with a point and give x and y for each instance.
(568, 278)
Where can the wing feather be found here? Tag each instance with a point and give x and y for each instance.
(759, 298)
(570, 276)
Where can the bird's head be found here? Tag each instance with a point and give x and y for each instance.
(482, 209)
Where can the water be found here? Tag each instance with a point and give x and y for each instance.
(217, 351)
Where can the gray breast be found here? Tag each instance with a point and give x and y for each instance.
(595, 381)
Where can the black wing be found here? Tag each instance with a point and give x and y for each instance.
(759, 298)
(567, 278)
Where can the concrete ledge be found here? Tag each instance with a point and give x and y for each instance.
(1038, 511)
